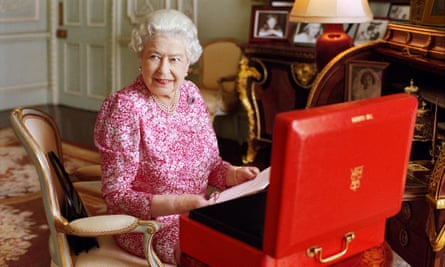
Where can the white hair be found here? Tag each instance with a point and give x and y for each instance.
(167, 21)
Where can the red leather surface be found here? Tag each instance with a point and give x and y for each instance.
(336, 169)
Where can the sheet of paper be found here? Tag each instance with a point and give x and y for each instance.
(249, 187)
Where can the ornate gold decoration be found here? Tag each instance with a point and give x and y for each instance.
(304, 74)
(437, 183)
(257, 122)
(437, 202)
(245, 74)
(418, 40)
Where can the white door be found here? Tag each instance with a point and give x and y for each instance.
(84, 52)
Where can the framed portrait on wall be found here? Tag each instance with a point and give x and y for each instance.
(269, 24)
(364, 79)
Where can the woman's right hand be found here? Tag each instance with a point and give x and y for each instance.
(163, 205)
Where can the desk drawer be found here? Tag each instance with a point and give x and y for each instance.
(412, 246)
(413, 215)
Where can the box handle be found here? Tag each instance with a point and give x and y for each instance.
(314, 251)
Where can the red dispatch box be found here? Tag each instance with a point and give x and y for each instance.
(337, 173)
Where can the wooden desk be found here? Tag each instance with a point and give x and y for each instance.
(405, 232)
(411, 52)
(272, 79)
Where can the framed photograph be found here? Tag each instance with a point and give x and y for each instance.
(428, 12)
(399, 12)
(306, 34)
(269, 24)
(364, 79)
(370, 31)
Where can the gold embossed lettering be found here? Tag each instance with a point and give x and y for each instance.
(356, 176)
(361, 118)
(358, 119)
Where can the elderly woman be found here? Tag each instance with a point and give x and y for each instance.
(158, 149)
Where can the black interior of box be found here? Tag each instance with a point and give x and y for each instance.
(241, 218)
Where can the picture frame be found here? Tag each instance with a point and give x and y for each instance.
(370, 31)
(364, 79)
(269, 24)
(428, 12)
(399, 12)
(306, 34)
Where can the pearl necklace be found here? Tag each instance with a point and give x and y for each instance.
(169, 109)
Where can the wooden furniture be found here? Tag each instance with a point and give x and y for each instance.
(272, 79)
(417, 53)
(417, 232)
(414, 52)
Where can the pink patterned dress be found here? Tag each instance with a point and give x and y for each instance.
(145, 151)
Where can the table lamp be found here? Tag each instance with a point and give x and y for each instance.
(333, 14)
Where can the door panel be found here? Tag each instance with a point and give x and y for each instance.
(84, 53)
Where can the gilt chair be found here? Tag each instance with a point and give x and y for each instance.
(39, 134)
(218, 68)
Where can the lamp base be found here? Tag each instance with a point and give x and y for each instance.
(333, 41)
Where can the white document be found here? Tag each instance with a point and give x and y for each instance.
(246, 188)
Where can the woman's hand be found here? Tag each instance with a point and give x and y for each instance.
(163, 205)
(237, 175)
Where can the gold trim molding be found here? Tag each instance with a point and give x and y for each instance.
(437, 202)
(246, 73)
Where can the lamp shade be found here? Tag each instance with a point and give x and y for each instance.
(331, 11)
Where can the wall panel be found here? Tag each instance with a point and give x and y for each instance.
(24, 41)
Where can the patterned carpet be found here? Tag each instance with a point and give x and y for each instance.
(23, 229)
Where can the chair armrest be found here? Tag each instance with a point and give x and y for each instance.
(108, 225)
(102, 225)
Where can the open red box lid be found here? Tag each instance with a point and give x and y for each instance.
(336, 169)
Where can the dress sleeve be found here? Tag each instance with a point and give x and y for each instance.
(218, 174)
(117, 137)
(218, 167)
